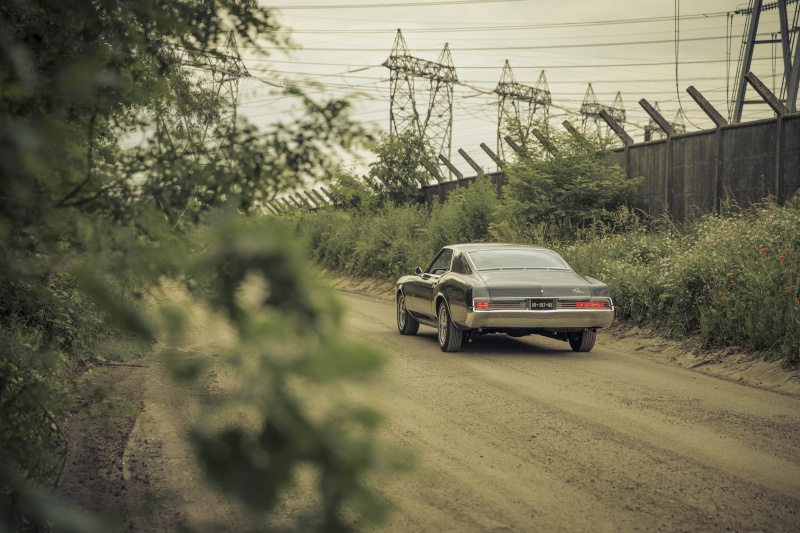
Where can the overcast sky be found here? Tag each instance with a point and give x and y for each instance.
(629, 46)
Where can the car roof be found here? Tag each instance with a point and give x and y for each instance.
(473, 247)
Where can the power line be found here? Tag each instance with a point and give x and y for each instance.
(472, 99)
(551, 82)
(357, 68)
(548, 67)
(535, 47)
(513, 27)
(404, 4)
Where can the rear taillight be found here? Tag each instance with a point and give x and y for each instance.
(481, 305)
(591, 305)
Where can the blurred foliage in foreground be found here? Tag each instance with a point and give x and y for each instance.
(731, 279)
(116, 164)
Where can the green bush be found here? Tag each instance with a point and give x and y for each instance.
(386, 245)
(566, 188)
(390, 241)
(397, 168)
(30, 404)
(466, 216)
(733, 280)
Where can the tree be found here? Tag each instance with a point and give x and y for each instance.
(348, 191)
(398, 167)
(565, 184)
(89, 225)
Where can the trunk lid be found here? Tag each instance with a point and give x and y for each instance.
(534, 283)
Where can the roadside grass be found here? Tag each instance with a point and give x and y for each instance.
(53, 334)
(731, 279)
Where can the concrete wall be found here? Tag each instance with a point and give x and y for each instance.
(442, 190)
(696, 172)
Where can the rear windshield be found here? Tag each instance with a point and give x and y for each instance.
(516, 258)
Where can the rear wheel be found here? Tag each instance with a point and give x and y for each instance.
(406, 324)
(582, 341)
(450, 337)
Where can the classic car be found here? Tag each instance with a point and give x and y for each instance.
(469, 290)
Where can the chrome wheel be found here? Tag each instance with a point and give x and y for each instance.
(442, 325)
(406, 324)
(401, 312)
(450, 337)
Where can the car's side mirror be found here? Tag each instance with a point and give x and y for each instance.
(418, 271)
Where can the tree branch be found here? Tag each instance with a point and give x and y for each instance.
(89, 158)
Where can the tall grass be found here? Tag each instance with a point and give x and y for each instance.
(732, 280)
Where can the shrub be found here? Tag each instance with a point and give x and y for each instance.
(466, 216)
(567, 188)
(388, 243)
(733, 280)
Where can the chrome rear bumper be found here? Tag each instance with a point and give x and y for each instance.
(550, 320)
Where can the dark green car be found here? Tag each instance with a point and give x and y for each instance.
(469, 290)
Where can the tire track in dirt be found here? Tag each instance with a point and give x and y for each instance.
(524, 434)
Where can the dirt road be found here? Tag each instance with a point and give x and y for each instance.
(526, 435)
(520, 435)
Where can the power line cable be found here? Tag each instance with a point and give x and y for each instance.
(510, 27)
(494, 67)
(534, 47)
(557, 25)
(677, 56)
(392, 5)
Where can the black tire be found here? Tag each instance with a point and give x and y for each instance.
(450, 337)
(583, 341)
(406, 324)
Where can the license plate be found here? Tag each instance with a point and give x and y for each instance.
(543, 304)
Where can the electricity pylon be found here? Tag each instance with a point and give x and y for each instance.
(520, 103)
(429, 114)
(790, 51)
(224, 68)
(590, 110)
(227, 68)
(680, 121)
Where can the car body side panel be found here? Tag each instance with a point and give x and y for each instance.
(417, 290)
(457, 290)
(425, 293)
(423, 289)
(406, 284)
(421, 294)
